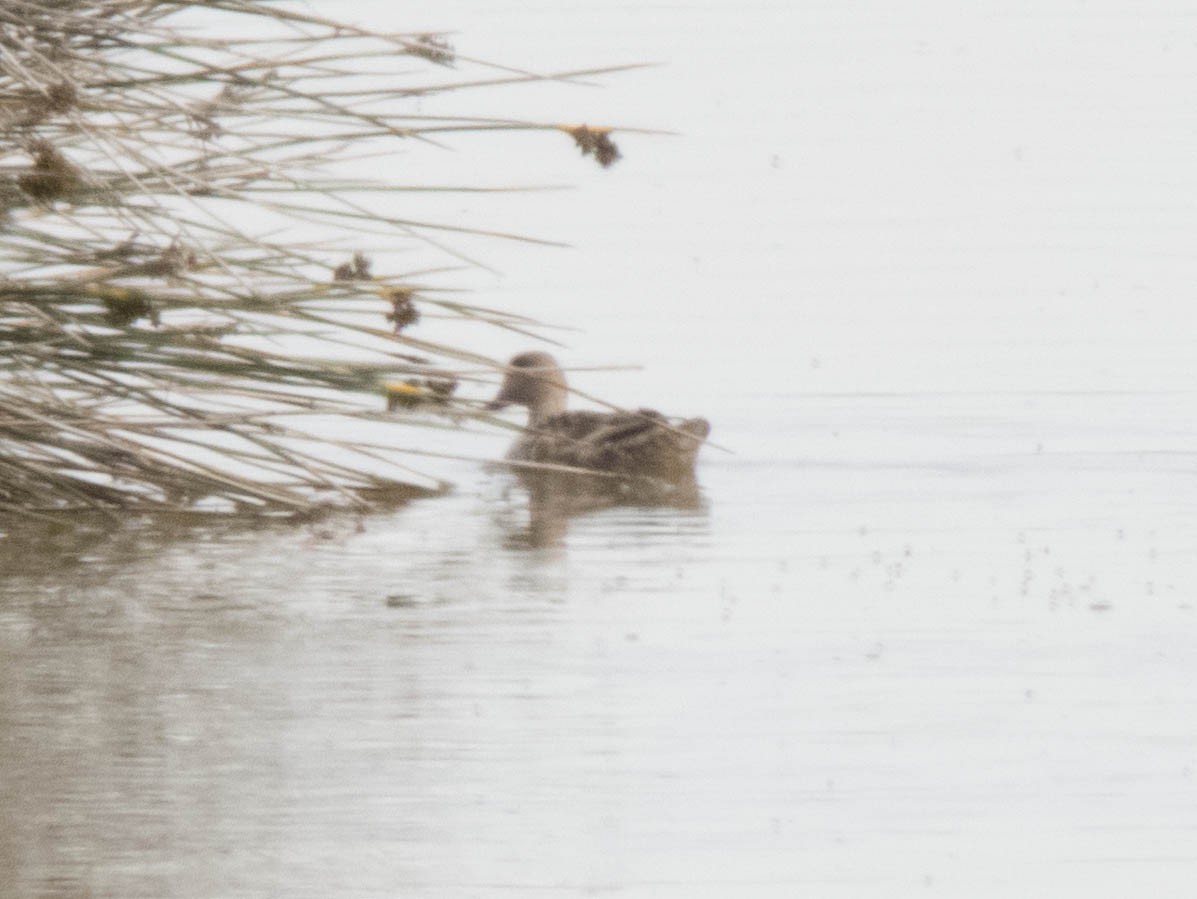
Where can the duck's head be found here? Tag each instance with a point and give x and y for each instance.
(534, 380)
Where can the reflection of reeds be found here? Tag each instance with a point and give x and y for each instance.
(167, 342)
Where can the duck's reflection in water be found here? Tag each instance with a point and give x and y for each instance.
(556, 496)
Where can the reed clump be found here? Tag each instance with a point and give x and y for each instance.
(181, 309)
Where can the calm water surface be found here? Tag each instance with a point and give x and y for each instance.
(930, 629)
(846, 677)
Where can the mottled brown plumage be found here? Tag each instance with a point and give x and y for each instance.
(640, 442)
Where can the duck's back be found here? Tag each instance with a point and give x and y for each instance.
(634, 443)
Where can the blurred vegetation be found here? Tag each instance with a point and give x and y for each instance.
(180, 310)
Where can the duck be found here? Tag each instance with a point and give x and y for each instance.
(639, 443)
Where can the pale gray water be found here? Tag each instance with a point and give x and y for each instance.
(931, 629)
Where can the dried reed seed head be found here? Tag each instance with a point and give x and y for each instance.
(236, 93)
(356, 269)
(403, 309)
(172, 261)
(44, 102)
(52, 176)
(415, 392)
(442, 387)
(596, 141)
(62, 96)
(605, 151)
(203, 114)
(125, 305)
(403, 394)
(43, 152)
(123, 250)
(204, 125)
(433, 48)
